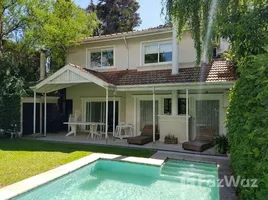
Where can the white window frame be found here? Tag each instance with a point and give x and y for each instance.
(158, 42)
(99, 49)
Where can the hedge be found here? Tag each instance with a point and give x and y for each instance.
(247, 122)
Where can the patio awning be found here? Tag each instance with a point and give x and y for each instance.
(68, 76)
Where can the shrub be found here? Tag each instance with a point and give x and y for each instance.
(221, 143)
(9, 111)
(170, 137)
(11, 91)
(247, 122)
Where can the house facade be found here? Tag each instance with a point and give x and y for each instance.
(144, 77)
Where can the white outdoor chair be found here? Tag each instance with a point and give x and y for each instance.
(131, 127)
(118, 129)
(72, 118)
(94, 131)
(103, 130)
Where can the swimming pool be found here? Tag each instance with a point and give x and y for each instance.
(116, 180)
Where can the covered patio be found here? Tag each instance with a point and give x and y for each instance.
(80, 139)
(72, 75)
(68, 76)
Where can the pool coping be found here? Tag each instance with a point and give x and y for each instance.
(28, 184)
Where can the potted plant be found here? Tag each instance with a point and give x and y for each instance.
(221, 143)
(171, 139)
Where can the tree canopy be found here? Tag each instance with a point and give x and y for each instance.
(243, 23)
(115, 15)
(27, 27)
(49, 24)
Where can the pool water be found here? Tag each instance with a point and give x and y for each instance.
(106, 179)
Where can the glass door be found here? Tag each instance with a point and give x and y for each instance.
(146, 113)
(207, 115)
(96, 111)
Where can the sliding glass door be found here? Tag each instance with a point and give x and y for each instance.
(146, 113)
(207, 115)
(96, 112)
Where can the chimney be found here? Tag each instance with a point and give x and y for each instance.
(42, 65)
(175, 51)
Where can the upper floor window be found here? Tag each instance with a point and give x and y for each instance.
(157, 52)
(101, 58)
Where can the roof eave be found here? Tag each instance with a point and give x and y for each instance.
(127, 35)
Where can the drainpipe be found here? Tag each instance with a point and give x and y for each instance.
(175, 51)
(126, 44)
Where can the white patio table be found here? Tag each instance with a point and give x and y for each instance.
(74, 125)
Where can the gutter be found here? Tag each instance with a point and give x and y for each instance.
(171, 86)
(122, 35)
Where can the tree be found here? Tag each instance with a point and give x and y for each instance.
(245, 25)
(116, 15)
(10, 94)
(57, 26)
(198, 16)
(12, 19)
(50, 24)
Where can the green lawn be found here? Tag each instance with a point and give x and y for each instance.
(20, 159)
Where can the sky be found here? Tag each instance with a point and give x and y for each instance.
(150, 12)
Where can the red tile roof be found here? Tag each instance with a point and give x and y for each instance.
(219, 71)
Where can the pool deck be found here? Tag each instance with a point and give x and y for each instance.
(226, 193)
(81, 138)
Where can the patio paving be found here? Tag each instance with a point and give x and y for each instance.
(82, 138)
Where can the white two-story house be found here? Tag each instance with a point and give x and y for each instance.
(144, 77)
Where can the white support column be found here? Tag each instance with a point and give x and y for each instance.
(114, 114)
(187, 114)
(41, 117)
(45, 115)
(153, 115)
(135, 116)
(106, 115)
(34, 114)
(174, 102)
